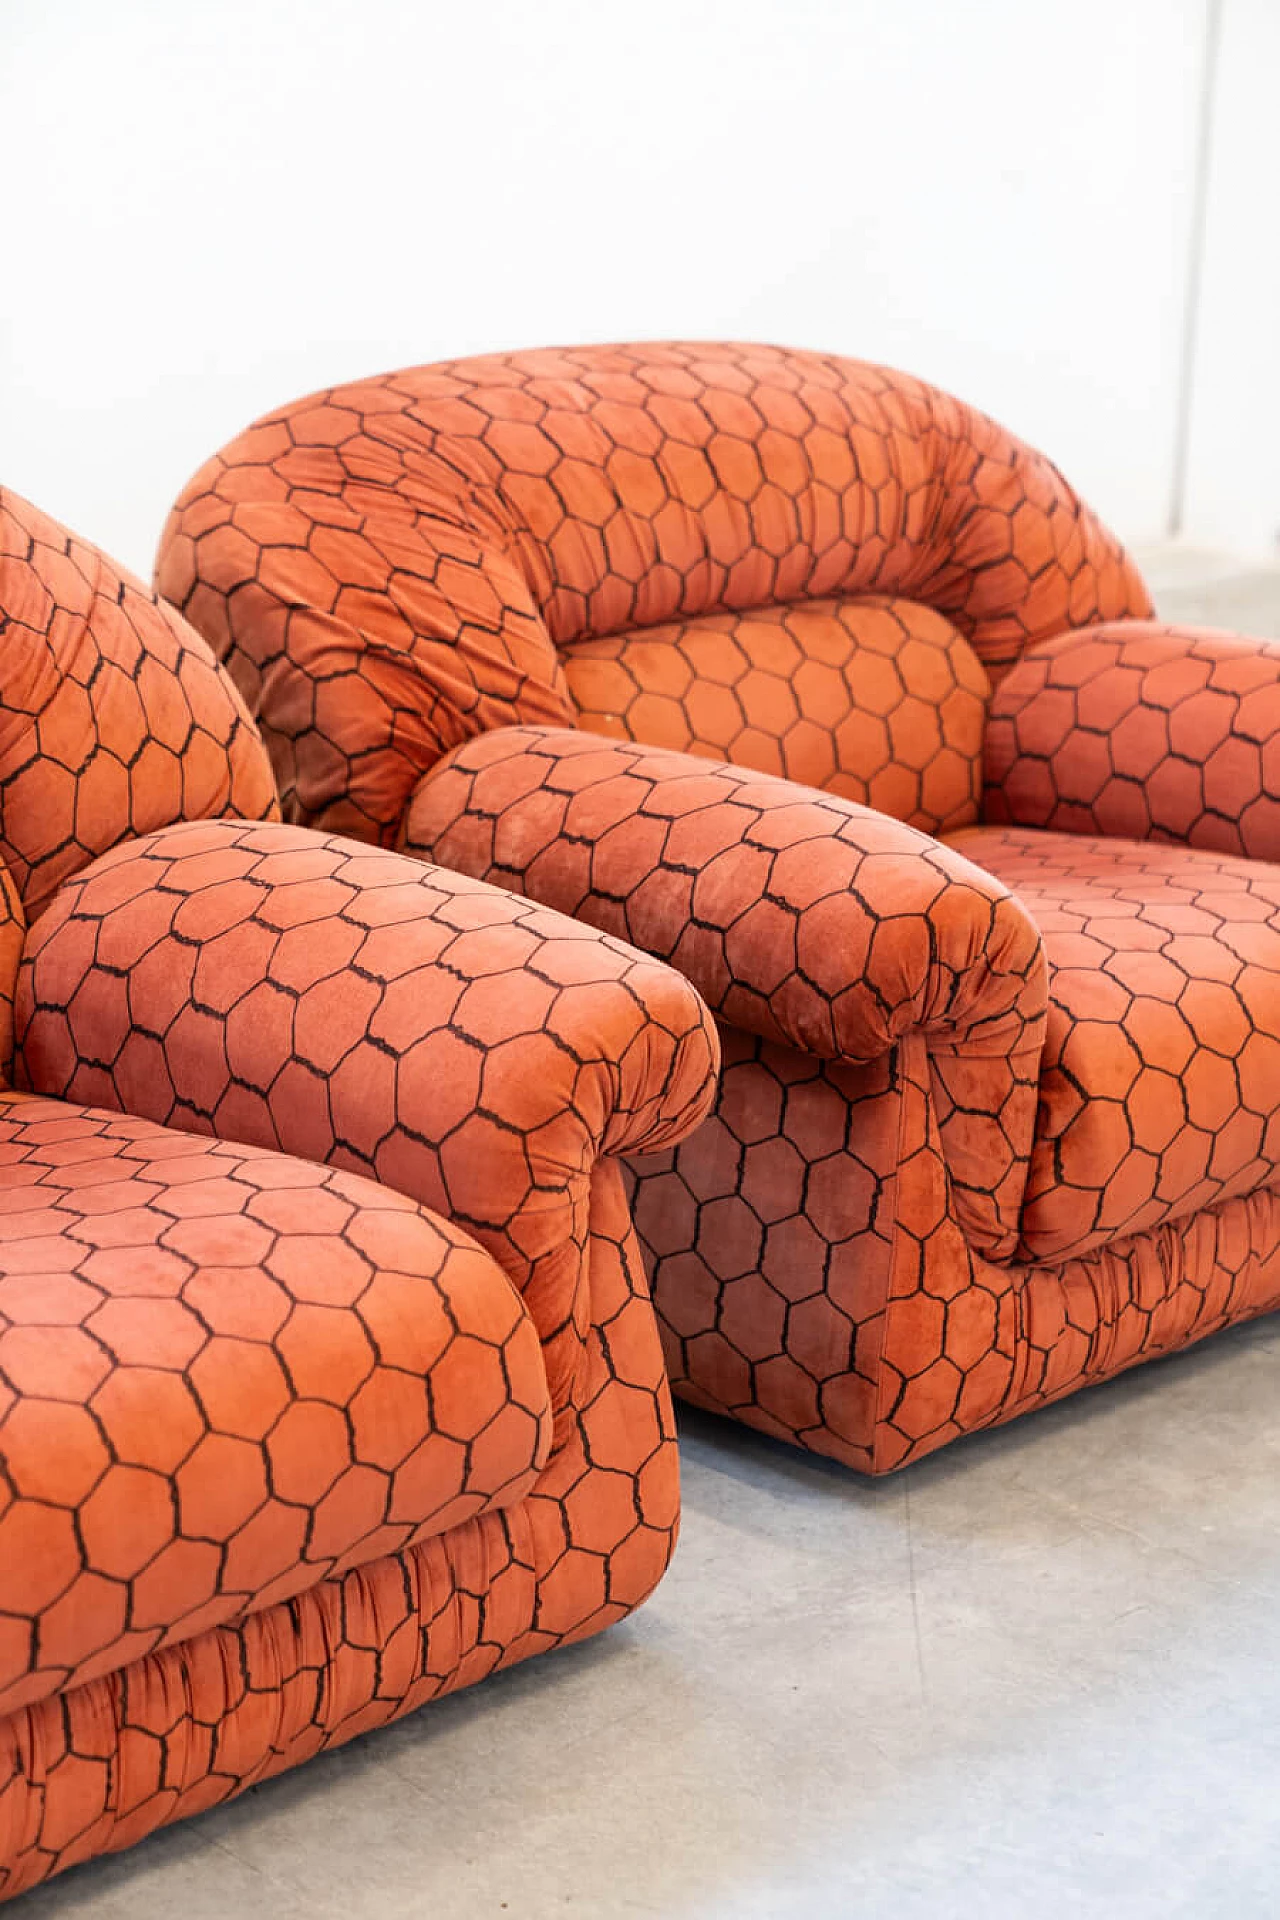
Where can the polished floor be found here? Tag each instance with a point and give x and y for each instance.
(1036, 1675)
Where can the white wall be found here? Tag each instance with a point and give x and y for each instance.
(211, 209)
(1232, 493)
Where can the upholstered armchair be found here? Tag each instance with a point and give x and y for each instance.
(329, 1379)
(811, 680)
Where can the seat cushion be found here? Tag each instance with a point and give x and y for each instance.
(224, 1376)
(1160, 1079)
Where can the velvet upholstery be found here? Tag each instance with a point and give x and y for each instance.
(329, 1377)
(799, 917)
(398, 564)
(1144, 732)
(814, 681)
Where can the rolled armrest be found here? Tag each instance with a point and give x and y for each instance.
(1142, 730)
(799, 916)
(477, 1052)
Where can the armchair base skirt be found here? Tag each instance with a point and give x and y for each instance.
(812, 1281)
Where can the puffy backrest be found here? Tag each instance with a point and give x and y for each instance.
(877, 699)
(114, 718)
(401, 562)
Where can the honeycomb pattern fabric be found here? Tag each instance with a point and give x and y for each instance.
(345, 1004)
(813, 1281)
(13, 930)
(285, 1450)
(1143, 731)
(114, 719)
(277, 1439)
(224, 1377)
(1160, 1081)
(880, 701)
(800, 918)
(935, 1094)
(770, 1235)
(395, 565)
(175, 1731)
(935, 1190)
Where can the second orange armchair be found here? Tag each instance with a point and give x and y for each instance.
(813, 681)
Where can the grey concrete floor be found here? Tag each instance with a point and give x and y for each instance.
(1036, 1674)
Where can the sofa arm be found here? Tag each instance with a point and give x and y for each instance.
(1142, 730)
(800, 916)
(341, 1003)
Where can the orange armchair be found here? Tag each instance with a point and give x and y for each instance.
(978, 887)
(329, 1380)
